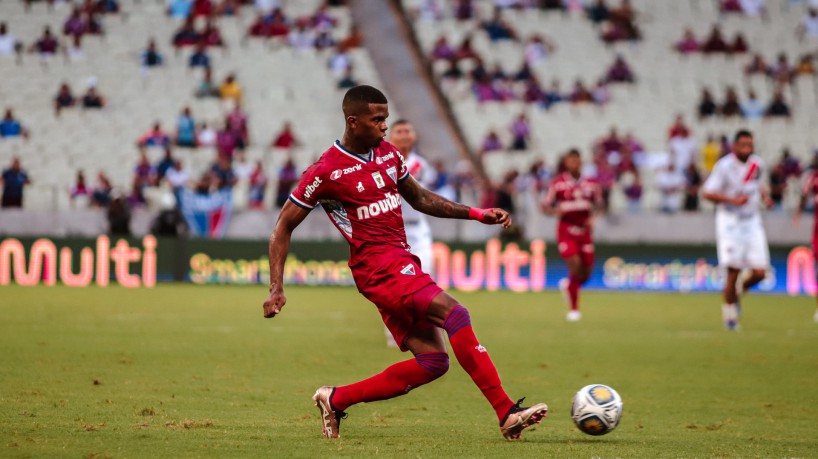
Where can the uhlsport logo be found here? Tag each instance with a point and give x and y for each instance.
(312, 187)
(388, 203)
(337, 173)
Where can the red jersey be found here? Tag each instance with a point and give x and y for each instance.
(360, 196)
(575, 198)
(811, 188)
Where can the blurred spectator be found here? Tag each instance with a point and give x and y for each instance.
(237, 120)
(241, 167)
(144, 173)
(199, 58)
(711, 152)
(63, 99)
(778, 107)
(806, 65)
(809, 25)
(300, 38)
(491, 143)
(621, 24)
(632, 188)
(605, 175)
(222, 173)
(781, 72)
(154, 137)
(287, 179)
(506, 191)
(206, 87)
(752, 7)
(75, 27)
(739, 45)
(429, 11)
(164, 165)
(441, 50)
(778, 185)
(119, 216)
(790, 165)
(731, 106)
(47, 45)
(707, 105)
(678, 128)
(453, 72)
(520, 133)
(688, 44)
(756, 66)
(205, 136)
(355, 39)
(8, 43)
(151, 57)
(682, 150)
(598, 12)
(286, 138)
(463, 10)
(671, 185)
(177, 177)
(101, 196)
(258, 184)
(537, 48)
(211, 35)
(715, 43)
(467, 51)
(136, 197)
(179, 9)
(92, 99)
(169, 221)
(185, 129)
(552, 94)
(80, 189)
(230, 88)
(11, 126)
(533, 93)
(14, 180)
(202, 8)
(324, 41)
(339, 62)
(348, 80)
(322, 19)
(226, 141)
(752, 108)
(186, 34)
(620, 71)
(580, 94)
(693, 181)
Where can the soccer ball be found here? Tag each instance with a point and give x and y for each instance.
(596, 409)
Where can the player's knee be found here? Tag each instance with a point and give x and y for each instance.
(436, 363)
(759, 274)
(457, 319)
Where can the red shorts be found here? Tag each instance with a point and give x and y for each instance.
(400, 290)
(572, 240)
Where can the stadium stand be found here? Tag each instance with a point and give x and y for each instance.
(144, 84)
(667, 82)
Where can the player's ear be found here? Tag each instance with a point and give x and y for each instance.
(352, 121)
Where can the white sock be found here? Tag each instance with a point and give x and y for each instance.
(728, 312)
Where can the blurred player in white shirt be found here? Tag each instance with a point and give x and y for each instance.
(418, 233)
(736, 186)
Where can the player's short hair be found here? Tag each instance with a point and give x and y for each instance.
(358, 98)
(742, 133)
(400, 122)
(573, 152)
(561, 165)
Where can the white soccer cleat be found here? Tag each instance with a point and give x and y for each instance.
(330, 417)
(729, 315)
(573, 316)
(521, 417)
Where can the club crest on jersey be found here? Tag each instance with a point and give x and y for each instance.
(392, 172)
(378, 179)
(408, 270)
(360, 187)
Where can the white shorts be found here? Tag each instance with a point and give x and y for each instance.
(420, 245)
(742, 244)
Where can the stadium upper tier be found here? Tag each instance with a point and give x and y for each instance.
(278, 83)
(667, 82)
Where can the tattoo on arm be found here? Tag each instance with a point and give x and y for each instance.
(430, 203)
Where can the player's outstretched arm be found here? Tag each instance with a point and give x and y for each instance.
(435, 205)
(290, 217)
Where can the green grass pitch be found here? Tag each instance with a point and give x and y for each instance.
(195, 371)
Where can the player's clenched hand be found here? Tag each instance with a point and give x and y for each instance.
(274, 302)
(491, 216)
(740, 200)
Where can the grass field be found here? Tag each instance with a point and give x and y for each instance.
(191, 371)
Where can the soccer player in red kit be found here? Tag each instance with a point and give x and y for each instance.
(573, 199)
(810, 190)
(359, 181)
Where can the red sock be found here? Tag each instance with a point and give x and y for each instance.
(573, 292)
(394, 381)
(475, 360)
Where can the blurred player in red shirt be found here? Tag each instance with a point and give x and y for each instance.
(359, 181)
(574, 199)
(810, 190)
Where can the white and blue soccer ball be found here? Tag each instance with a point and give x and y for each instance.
(596, 409)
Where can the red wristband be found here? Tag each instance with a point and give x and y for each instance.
(477, 213)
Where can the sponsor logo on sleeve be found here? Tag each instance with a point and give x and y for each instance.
(310, 189)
